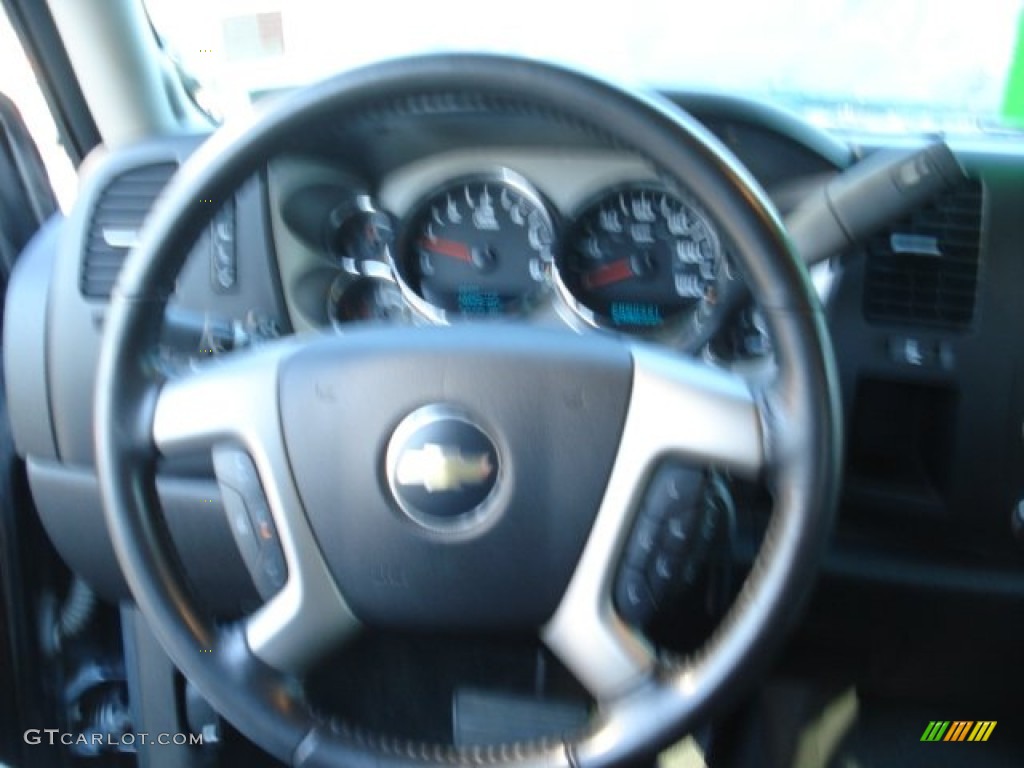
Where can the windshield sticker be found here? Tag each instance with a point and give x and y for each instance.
(254, 36)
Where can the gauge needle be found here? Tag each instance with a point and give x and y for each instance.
(615, 272)
(451, 248)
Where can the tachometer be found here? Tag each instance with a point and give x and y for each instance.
(639, 257)
(477, 247)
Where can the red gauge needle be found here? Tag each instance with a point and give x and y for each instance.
(615, 272)
(453, 249)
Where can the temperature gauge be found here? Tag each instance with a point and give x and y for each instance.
(365, 300)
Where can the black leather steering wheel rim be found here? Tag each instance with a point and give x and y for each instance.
(800, 413)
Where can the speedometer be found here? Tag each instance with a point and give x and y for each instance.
(477, 247)
(638, 258)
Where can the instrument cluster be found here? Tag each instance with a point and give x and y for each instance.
(636, 257)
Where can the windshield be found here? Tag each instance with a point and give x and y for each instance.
(880, 66)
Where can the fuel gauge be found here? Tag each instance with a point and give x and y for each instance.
(365, 299)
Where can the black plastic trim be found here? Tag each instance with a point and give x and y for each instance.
(714, 108)
(69, 505)
(871, 567)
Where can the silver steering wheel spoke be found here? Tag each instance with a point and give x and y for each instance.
(235, 401)
(678, 408)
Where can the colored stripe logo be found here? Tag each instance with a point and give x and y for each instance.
(958, 730)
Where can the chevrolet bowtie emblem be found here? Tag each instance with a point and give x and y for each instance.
(443, 470)
(440, 468)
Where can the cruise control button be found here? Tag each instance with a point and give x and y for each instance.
(252, 523)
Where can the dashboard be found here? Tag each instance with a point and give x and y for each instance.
(586, 239)
(415, 220)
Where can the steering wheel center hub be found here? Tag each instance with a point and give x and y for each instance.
(443, 469)
(453, 457)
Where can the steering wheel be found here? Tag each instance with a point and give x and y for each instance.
(529, 539)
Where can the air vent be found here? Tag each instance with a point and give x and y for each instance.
(923, 272)
(116, 220)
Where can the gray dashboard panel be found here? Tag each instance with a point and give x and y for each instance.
(25, 344)
(75, 323)
(70, 509)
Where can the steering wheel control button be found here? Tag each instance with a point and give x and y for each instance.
(662, 574)
(442, 468)
(676, 527)
(643, 542)
(252, 525)
(241, 526)
(633, 598)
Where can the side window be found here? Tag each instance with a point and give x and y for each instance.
(18, 82)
